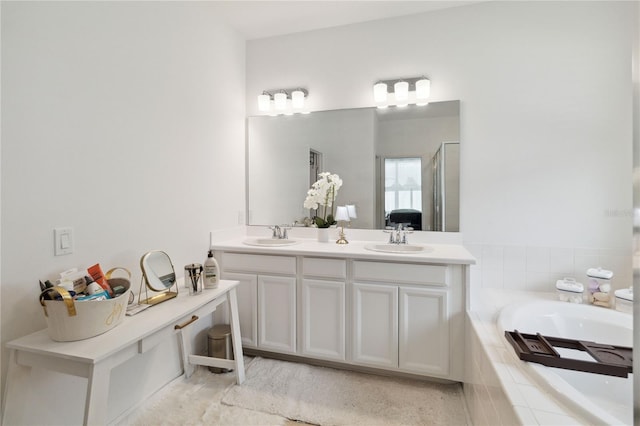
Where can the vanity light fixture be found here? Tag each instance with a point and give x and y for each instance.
(282, 101)
(405, 91)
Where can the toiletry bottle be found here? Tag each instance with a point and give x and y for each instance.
(92, 286)
(211, 270)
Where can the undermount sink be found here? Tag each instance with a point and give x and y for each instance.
(398, 248)
(269, 242)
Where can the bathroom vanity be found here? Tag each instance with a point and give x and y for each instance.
(346, 304)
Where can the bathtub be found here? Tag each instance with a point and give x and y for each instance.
(597, 398)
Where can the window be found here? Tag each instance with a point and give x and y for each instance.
(402, 184)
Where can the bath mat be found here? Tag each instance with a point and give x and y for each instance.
(327, 396)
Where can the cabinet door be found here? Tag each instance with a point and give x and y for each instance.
(424, 331)
(247, 307)
(375, 325)
(323, 319)
(277, 313)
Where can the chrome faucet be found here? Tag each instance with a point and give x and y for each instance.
(398, 235)
(279, 232)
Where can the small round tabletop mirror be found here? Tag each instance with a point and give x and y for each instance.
(159, 276)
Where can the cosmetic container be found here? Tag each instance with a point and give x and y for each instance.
(568, 290)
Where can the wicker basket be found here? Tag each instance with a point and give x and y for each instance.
(69, 320)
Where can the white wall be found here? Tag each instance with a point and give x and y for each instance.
(545, 91)
(124, 121)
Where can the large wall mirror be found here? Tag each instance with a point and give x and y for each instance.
(397, 164)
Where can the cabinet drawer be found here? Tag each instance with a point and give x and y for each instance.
(330, 268)
(259, 263)
(401, 273)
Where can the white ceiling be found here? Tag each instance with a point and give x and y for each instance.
(261, 19)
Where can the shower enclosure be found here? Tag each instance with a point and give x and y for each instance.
(446, 188)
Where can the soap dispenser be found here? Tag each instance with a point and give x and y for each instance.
(211, 271)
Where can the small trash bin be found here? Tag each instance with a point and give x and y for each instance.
(219, 338)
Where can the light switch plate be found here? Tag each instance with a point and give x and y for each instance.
(63, 241)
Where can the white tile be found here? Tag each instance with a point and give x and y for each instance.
(561, 260)
(479, 417)
(538, 400)
(492, 278)
(552, 419)
(537, 259)
(490, 410)
(509, 386)
(518, 376)
(475, 276)
(585, 259)
(514, 280)
(539, 281)
(525, 415)
(515, 258)
(492, 256)
(508, 416)
(585, 251)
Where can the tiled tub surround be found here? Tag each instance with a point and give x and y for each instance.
(531, 268)
(498, 390)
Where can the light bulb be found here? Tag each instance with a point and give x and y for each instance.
(297, 99)
(401, 90)
(423, 90)
(280, 100)
(264, 102)
(380, 93)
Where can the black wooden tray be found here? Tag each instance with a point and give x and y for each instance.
(609, 360)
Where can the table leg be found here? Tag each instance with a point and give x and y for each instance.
(16, 391)
(95, 408)
(184, 334)
(235, 336)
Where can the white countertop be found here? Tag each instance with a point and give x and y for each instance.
(434, 253)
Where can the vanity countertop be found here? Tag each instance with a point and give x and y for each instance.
(434, 253)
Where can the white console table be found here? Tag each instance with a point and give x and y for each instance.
(94, 358)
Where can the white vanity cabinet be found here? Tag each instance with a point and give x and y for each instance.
(396, 313)
(247, 306)
(323, 315)
(375, 325)
(402, 317)
(277, 314)
(266, 299)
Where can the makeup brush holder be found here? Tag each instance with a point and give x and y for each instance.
(193, 278)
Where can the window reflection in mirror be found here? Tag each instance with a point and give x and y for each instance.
(403, 191)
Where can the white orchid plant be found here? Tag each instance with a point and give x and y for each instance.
(323, 193)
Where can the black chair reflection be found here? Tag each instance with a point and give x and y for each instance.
(407, 216)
